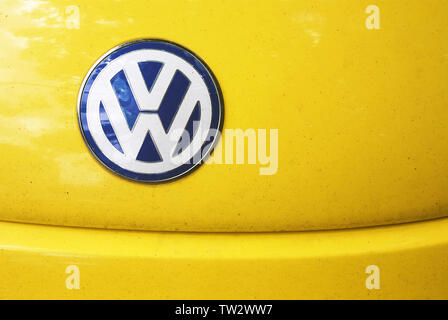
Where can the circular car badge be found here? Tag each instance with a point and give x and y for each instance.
(150, 110)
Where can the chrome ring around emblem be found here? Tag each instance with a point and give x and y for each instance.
(150, 110)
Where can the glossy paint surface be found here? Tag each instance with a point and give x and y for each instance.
(361, 114)
(167, 265)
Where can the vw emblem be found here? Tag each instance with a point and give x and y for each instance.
(150, 110)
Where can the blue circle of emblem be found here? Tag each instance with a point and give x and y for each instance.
(150, 110)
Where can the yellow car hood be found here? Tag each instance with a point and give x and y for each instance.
(361, 113)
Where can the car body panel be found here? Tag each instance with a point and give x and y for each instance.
(37, 261)
(361, 114)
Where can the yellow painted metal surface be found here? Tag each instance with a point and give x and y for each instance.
(362, 114)
(411, 258)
